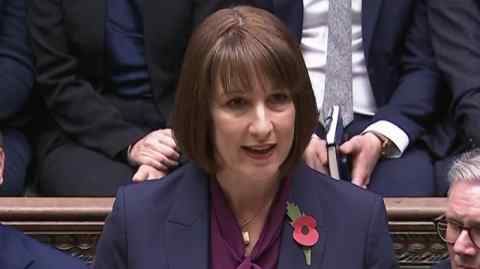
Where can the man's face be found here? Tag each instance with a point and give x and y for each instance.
(464, 210)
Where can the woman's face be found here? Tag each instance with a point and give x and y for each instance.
(253, 131)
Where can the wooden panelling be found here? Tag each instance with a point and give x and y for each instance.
(73, 225)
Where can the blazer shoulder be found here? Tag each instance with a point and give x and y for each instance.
(345, 194)
(163, 187)
(157, 197)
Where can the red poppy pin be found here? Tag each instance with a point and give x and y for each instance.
(304, 230)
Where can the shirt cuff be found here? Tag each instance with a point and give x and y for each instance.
(398, 137)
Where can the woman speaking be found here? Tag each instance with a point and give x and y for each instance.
(244, 114)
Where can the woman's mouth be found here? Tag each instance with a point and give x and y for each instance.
(259, 152)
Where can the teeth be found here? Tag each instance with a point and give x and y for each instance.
(261, 147)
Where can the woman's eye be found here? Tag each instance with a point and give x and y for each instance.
(236, 103)
(280, 98)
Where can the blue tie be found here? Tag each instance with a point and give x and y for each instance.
(125, 47)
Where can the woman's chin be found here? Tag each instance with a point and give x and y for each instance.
(266, 172)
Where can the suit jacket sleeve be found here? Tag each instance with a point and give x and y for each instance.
(379, 243)
(16, 67)
(71, 99)
(112, 246)
(413, 103)
(456, 41)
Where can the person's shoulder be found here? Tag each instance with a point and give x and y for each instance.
(164, 187)
(345, 194)
(18, 248)
(157, 196)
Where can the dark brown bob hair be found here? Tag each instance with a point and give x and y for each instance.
(232, 49)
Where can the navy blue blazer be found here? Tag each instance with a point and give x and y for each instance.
(456, 39)
(165, 224)
(442, 265)
(21, 252)
(16, 66)
(398, 53)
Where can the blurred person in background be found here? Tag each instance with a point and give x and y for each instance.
(19, 251)
(455, 31)
(106, 73)
(17, 77)
(393, 86)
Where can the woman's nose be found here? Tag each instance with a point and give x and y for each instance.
(261, 125)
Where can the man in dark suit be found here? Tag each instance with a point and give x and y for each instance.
(459, 228)
(107, 72)
(16, 76)
(395, 87)
(21, 252)
(455, 27)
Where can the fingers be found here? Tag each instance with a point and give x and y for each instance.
(146, 172)
(315, 154)
(349, 147)
(360, 175)
(157, 149)
(153, 162)
(165, 136)
(157, 159)
(166, 150)
(365, 151)
(140, 175)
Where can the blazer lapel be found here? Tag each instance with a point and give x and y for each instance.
(370, 14)
(306, 196)
(187, 229)
(291, 13)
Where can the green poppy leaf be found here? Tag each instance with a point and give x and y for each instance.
(293, 211)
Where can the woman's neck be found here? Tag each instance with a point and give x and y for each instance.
(246, 196)
(250, 200)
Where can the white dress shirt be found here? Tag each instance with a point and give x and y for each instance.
(314, 48)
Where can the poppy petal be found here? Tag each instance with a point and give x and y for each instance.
(306, 239)
(305, 220)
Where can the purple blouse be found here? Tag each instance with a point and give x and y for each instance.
(227, 250)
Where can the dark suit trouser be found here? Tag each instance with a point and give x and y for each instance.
(410, 175)
(17, 159)
(70, 169)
